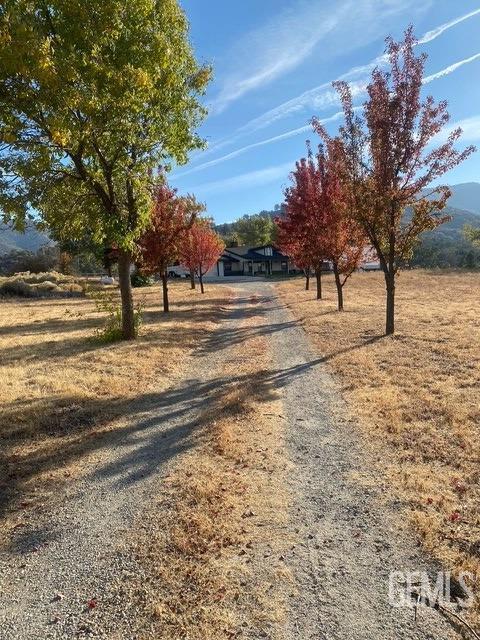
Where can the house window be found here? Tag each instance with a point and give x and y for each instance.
(268, 251)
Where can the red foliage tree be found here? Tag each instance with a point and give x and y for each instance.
(390, 163)
(291, 246)
(344, 240)
(301, 229)
(172, 216)
(200, 248)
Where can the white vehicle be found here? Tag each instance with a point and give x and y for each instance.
(177, 271)
(370, 266)
(107, 280)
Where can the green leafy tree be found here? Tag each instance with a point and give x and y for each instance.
(93, 97)
(472, 234)
(256, 230)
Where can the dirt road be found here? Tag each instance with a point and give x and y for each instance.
(348, 537)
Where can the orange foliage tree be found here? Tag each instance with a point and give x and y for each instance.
(200, 248)
(316, 226)
(391, 161)
(290, 244)
(159, 246)
(301, 230)
(344, 239)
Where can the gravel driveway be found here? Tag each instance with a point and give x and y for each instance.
(348, 537)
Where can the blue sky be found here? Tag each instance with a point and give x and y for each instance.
(274, 61)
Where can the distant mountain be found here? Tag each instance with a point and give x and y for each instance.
(465, 196)
(460, 218)
(31, 240)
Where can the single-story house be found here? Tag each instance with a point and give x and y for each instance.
(251, 261)
(267, 260)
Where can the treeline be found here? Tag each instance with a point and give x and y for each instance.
(251, 229)
(442, 248)
(440, 251)
(69, 258)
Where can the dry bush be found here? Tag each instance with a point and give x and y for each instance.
(416, 395)
(47, 276)
(62, 392)
(34, 285)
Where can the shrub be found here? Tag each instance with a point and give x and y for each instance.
(141, 280)
(106, 301)
(46, 286)
(44, 259)
(34, 285)
(16, 287)
(44, 276)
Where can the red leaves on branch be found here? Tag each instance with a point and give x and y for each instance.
(316, 226)
(200, 248)
(171, 218)
(301, 229)
(390, 159)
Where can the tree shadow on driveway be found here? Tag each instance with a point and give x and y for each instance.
(133, 438)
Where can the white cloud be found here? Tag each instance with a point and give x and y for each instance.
(288, 39)
(358, 88)
(319, 98)
(470, 130)
(251, 179)
(323, 96)
(283, 136)
(238, 152)
(434, 33)
(273, 50)
(450, 69)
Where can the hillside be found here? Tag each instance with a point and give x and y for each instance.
(460, 218)
(463, 206)
(465, 196)
(31, 240)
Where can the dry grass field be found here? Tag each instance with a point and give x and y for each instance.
(416, 395)
(62, 391)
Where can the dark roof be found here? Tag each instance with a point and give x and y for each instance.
(239, 251)
(227, 258)
(252, 253)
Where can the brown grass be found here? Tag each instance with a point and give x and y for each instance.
(416, 395)
(212, 546)
(61, 392)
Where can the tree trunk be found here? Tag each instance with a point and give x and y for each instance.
(307, 280)
(318, 275)
(390, 316)
(192, 280)
(128, 318)
(166, 307)
(389, 272)
(201, 282)
(339, 286)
